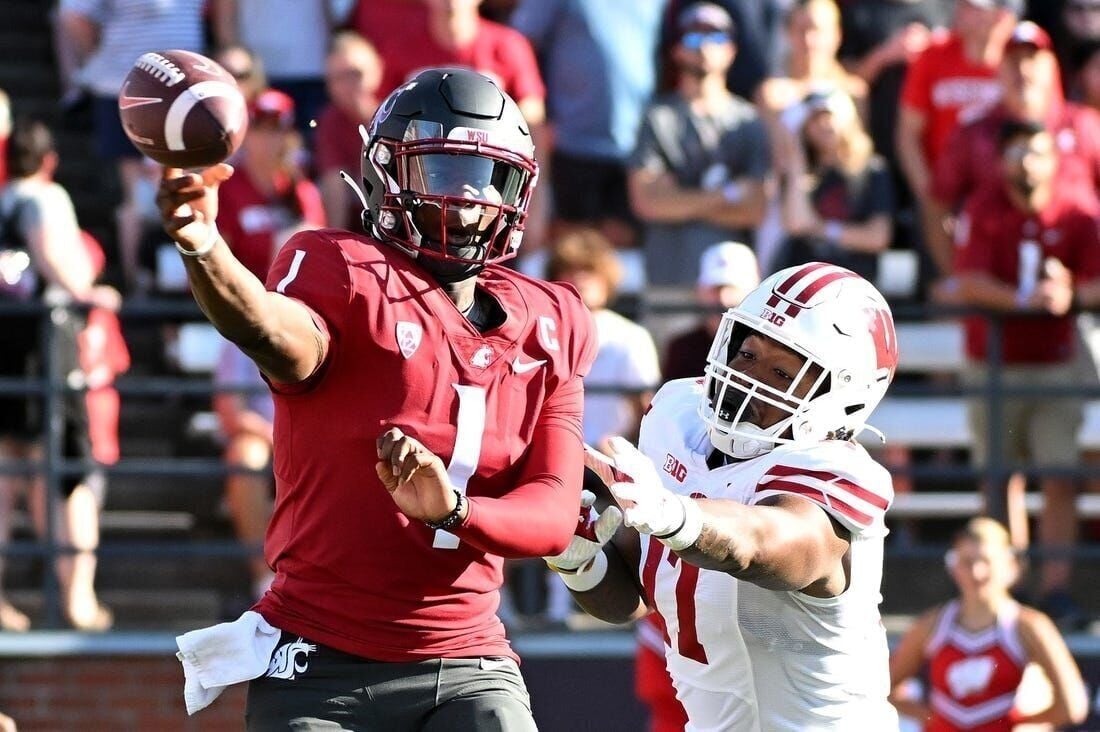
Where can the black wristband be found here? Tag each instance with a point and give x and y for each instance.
(675, 531)
(450, 519)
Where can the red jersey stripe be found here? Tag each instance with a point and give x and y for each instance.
(783, 471)
(817, 496)
(687, 639)
(649, 583)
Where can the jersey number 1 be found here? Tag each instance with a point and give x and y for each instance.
(467, 452)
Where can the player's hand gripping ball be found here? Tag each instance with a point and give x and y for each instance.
(182, 109)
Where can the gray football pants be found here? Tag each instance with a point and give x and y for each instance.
(326, 689)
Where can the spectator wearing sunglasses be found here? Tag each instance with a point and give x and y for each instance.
(697, 174)
(245, 67)
(295, 62)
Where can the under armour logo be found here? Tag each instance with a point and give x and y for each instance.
(285, 664)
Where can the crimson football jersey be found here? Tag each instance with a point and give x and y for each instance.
(502, 409)
(974, 676)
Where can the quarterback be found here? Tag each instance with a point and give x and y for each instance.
(754, 523)
(427, 418)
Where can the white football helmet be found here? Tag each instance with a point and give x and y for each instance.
(830, 315)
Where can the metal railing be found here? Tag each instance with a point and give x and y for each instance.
(52, 386)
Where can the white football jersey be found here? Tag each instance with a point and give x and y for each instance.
(743, 657)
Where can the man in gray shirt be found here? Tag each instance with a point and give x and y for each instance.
(697, 175)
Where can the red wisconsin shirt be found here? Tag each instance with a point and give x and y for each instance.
(971, 160)
(974, 676)
(948, 89)
(497, 51)
(991, 232)
(251, 222)
(501, 409)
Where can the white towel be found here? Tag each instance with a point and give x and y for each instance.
(224, 654)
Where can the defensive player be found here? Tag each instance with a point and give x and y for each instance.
(757, 521)
(427, 418)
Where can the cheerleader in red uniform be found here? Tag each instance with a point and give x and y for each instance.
(974, 648)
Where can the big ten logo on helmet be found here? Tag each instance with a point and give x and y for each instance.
(772, 317)
(675, 468)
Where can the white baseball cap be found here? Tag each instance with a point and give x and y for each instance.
(729, 263)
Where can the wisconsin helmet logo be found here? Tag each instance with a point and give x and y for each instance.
(409, 336)
(482, 357)
(285, 662)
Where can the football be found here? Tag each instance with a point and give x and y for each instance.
(182, 109)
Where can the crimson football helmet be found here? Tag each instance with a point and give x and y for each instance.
(827, 314)
(448, 171)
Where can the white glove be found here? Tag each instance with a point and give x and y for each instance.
(647, 505)
(594, 529)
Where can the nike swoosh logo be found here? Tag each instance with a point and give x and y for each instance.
(125, 101)
(522, 368)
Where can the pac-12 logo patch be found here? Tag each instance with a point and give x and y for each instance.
(409, 336)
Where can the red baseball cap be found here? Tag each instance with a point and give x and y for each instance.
(273, 104)
(1031, 35)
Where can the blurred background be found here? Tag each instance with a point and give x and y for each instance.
(686, 150)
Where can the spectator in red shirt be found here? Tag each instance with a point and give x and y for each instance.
(1031, 246)
(953, 80)
(454, 34)
(353, 73)
(1031, 91)
(451, 32)
(268, 199)
(389, 25)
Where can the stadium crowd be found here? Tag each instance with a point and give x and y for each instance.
(948, 151)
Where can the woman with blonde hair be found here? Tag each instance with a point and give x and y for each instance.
(837, 197)
(976, 647)
(813, 40)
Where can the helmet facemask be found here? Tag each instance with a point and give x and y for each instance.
(456, 205)
(733, 402)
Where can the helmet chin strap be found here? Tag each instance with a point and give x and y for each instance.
(745, 440)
